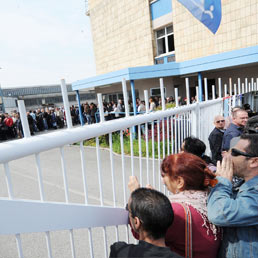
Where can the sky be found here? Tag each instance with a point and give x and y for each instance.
(44, 41)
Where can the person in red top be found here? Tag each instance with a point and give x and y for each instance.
(187, 177)
(8, 121)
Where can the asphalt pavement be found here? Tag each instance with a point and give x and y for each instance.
(25, 186)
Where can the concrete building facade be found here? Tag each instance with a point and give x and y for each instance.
(143, 40)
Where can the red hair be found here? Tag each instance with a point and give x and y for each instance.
(191, 168)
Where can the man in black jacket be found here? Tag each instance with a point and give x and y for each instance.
(150, 215)
(216, 137)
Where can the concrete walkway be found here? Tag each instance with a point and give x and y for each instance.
(25, 185)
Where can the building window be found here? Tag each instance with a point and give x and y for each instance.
(156, 91)
(165, 40)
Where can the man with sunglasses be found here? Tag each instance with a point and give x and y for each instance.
(150, 215)
(216, 137)
(237, 211)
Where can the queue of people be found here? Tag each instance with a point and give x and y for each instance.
(51, 118)
(38, 120)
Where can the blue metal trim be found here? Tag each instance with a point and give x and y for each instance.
(160, 8)
(228, 59)
(133, 97)
(101, 80)
(79, 106)
(200, 86)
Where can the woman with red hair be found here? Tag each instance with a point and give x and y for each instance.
(187, 177)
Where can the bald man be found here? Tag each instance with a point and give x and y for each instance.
(216, 137)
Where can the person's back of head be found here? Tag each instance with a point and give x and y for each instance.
(252, 125)
(194, 145)
(154, 211)
(252, 148)
(194, 171)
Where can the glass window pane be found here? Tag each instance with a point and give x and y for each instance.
(160, 33)
(161, 46)
(171, 46)
(169, 29)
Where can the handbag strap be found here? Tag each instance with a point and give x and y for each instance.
(188, 231)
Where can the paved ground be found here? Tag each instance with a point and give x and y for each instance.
(24, 178)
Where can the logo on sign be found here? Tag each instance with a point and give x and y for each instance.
(207, 12)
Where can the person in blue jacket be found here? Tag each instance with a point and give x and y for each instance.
(237, 210)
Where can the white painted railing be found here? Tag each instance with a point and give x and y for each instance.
(171, 126)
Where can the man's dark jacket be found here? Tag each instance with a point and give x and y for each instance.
(215, 140)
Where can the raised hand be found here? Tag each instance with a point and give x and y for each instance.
(225, 168)
(133, 183)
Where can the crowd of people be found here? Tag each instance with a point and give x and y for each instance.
(38, 120)
(212, 210)
(50, 118)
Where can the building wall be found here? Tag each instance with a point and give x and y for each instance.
(122, 34)
(147, 84)
(238, 29)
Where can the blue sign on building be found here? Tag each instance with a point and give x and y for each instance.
(206, 11)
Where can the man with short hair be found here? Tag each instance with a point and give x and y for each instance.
(237, 211)
(150, 215)
(216, 137)
(235, 129)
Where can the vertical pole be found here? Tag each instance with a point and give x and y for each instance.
(162, 94)
(235, 95)
(219, 81)
(230, 86)
(235, 89)
(206, 89)
(239, 86)
(125, 97)
(176, 96)
(133, 97)
(187, 91)
(2, 98)
(146, 98)
(101, 110)
(213, 91)
(66, 105)
(243, 88)
(225, 90)
(200, 86)
(24, 119)
(134, 106)
(197, 94)
(79, 105)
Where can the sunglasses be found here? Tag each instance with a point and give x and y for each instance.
(236, 152)
(220, 121)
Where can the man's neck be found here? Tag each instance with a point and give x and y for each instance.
(237, 124)
(250, 176)
(158, 242)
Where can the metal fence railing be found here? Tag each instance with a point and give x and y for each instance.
(95, 217)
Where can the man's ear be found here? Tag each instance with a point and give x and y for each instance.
(137, 223)
(253, 162)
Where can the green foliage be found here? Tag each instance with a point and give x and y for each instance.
(116, 145)
(168, 105)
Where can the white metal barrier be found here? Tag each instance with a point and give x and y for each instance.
(105, 193)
